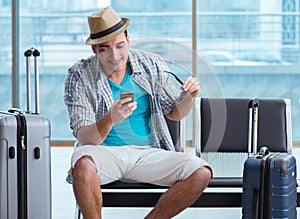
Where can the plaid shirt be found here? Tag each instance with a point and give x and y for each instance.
(88, 95)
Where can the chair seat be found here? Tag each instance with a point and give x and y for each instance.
(231, 182)
(122, 194)
(131, 185)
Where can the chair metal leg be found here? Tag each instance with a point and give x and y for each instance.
(78, 214)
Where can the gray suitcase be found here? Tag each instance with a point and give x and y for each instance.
(25, 172)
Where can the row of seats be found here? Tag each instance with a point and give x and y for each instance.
(221, 137)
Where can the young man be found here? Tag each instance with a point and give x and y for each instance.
(122, 139)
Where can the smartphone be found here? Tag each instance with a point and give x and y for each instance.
(124, 95)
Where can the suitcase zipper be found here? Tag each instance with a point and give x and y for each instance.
(266, 186)
(22, 166)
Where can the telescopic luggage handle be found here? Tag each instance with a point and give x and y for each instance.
(32, 51)
(253, 126)
(35, 53)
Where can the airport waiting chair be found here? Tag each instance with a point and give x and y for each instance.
(221, 137)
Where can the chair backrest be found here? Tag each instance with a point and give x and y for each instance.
(176, 133)
(223, 125)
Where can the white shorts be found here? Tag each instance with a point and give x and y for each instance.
(139, 164)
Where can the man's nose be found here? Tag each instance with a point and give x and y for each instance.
(114, 53)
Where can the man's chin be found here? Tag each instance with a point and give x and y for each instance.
(118, 68)
(111, 67)
(114, 70)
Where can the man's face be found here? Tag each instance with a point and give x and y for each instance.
(113, 54)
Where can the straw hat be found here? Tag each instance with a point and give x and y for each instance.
(105, 25)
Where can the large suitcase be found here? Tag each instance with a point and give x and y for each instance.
(269, 179)
(25, 175)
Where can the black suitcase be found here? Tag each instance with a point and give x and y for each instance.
(25, 175)
(269, 179)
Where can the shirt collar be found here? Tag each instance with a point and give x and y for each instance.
(134, 63)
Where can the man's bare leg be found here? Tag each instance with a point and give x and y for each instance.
(86, 188)
(181, 195)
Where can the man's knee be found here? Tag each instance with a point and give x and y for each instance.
(206, 173)
(84, 166)
(203, 175)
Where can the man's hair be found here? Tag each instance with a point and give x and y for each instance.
(126, 33)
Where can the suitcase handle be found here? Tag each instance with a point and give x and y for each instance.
(253, 106)
(35, 53)
(32, 51)
(264, 151)
(15, 110)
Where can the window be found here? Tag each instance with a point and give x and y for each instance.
(257, 42)
(263, 42)
(5, 55)
(58, 29)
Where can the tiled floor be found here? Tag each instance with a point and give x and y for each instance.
(63, 202)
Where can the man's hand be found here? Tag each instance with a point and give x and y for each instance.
(95, 133)
(191, 86)
(119, 112)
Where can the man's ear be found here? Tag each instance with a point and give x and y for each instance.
(94, 49)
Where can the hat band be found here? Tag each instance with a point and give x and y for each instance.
(107, 31)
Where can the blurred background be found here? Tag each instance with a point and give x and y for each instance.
(246, 48)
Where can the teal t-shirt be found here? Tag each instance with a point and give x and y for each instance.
(134, 130)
